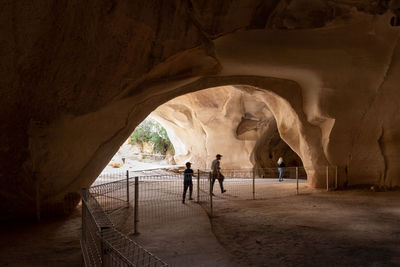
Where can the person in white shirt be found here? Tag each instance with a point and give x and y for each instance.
(281, 166)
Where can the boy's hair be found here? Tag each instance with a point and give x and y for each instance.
(188, 164)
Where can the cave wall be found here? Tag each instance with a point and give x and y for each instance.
(270, 147)
(224, 120)
(77, 77)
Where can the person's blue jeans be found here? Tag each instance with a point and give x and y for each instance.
(280, 174)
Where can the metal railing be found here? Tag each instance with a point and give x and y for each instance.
(103, 245)
(118, 174)
(147, 201)
(152, 199)
(250, 183)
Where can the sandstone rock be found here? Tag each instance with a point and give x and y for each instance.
(224, 120)
(76, 78)
(116, 162)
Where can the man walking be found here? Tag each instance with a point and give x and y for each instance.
(187, 182)
(216, 173)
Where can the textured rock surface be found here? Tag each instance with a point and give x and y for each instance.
(76, 77)
(224, 120)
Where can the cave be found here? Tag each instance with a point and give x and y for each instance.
(73, 104)
(78, 77)
(231, 120)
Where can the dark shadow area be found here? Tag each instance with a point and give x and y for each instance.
(51, 242)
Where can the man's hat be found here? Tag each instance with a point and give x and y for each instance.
(218, 155)
(188, 163)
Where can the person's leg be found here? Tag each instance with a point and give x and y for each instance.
(280, 174)
(190, 191)
(221, 185)
(185, 187)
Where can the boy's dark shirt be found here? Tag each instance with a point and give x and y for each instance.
(187, 174)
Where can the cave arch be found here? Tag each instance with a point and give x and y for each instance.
(75, 96)
(304, 138)
(232, 120)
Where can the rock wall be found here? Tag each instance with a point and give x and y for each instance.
(76, 77)
(224, 120)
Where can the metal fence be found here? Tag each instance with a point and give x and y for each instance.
(139, 202)
(119, 174)
(155, 199)
(160, 198)
(250, 183)
(103, 245)
(151, 200)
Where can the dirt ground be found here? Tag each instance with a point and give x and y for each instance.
(52, 242)
(343, 228)
(315, 228)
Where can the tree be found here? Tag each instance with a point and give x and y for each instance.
(152, 132)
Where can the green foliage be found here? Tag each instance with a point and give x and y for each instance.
(152, 132)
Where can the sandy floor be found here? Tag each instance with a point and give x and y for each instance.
(49, 243)
(348, 228)
(316, 228)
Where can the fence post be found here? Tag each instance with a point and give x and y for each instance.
(211, 197)
(327, 178)
(127, 187)
(297, 180)
(198, 186)
(254, 185)
(136, 208)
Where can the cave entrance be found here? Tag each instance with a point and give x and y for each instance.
(147, 149)
(230, 123)
(234, 121)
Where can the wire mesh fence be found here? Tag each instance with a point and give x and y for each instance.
(109, 176)
(252, 183)
(119, 250)
(121, 173)
(149, 200)
(161, 198)
(103, 245)
(155, 199)
(112, 195)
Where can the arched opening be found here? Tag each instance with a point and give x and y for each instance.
(233, 121)
(236, 121)
(106, 129)
(76, 85)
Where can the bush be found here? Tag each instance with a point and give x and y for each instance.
(152, 132)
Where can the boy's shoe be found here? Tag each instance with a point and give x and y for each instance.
(190, 198)
(223, 191)
(183, 201)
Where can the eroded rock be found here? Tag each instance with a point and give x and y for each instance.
(76, 78)
(224, 120)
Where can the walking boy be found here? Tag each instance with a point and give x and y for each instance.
(187, 182)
